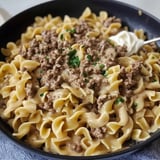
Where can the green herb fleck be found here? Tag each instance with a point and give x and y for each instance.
(103, 72)
(72, 52)
(47, 58)
(89, 57)
(86, 80)
(101, 66)
(42, 94)
(71, 31)
(154, 80)
(106, 73)
(73, 59)
(119, 100)
(62, 37)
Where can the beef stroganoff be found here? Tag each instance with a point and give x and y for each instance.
(67, 89)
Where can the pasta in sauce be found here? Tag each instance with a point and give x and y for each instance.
(67, 89)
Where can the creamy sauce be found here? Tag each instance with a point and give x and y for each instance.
(128, 39)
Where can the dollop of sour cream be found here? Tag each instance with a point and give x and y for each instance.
(129, 39)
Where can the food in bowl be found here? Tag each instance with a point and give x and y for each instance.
(66, 88)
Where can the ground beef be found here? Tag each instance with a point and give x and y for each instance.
(92, 108)
(51, 79)
(100, 101)
(76, 147)
(109, 57)
(82, 28)
(95, 84)
(31, 89)
(121, 50)
(48, 106)
(54, 54)
(98, 133)
(130, 79)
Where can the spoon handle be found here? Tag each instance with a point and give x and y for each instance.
(152, 40)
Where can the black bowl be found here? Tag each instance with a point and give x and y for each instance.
(12, 29)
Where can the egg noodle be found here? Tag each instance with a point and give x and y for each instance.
(70, 126)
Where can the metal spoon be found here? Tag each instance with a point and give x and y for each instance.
(152, 40)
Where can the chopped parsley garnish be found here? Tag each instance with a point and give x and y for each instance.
(106, 73)
(86, 80)
(89, 57)
(101, 66)
(71, 31)
(154, 80)
(42, 94)
(61, 37)
(73, 60)
(119, 100)
(72, 53)
(103, 72)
